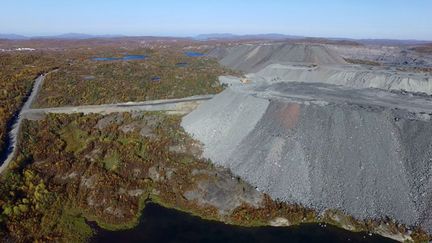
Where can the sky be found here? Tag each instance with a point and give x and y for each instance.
(392, 19)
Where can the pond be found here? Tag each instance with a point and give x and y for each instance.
(182, 64)
(159, 224)
(156, 79)
(124, 58)
(194, 54)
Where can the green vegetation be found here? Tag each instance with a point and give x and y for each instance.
(362, 62)
(74, 164)
(17, 73)
(85, 81)
(33, 213)
(112, 161)
(81, 80)
(73, 168)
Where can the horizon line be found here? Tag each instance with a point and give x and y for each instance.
(47, 36)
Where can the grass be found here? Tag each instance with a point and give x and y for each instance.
(75, 138)
(112, 161)
(362, 62)
(74, 224)
(126, 225)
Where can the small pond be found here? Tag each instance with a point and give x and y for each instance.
(156, 79)
(194, 54)
(182, 64)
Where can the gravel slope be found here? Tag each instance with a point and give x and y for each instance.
(224, 122)
(281, 62)
(352, 76)
(309, 128)
(316, 145)
(252, 58)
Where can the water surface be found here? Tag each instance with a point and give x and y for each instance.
(182, 64)
(194, 54)
(159, 224)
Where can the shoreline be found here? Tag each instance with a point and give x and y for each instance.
(321, 223)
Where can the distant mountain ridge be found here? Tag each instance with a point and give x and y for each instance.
(67, 36)
(270, 36)
(275, 36)
(78, 36)
(12, 37)
(225, 36)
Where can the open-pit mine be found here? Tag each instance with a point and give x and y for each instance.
(306, 126)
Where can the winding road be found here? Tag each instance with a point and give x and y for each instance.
(13, 134)
(171, 106)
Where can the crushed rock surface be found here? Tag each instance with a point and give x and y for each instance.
(325, 146)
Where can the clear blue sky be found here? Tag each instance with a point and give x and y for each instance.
(400, 19)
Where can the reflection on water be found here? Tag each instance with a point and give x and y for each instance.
(159, 224)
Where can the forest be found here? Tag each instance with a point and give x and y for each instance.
(17, 73)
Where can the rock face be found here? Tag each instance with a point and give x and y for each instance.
(223, 192)
(325, 146)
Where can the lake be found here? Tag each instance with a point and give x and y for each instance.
(124, 58)
(159, 224)
(194, 54)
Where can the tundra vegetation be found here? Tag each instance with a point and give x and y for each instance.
(163, 74)
(17, 72)
(72, 169)
(103, 168)
(82, 80)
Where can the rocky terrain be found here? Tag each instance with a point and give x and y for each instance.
(322, 63)
(390, 55)
(353, 76)
(307, 128)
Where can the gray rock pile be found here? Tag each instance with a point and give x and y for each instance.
(330, 136)
(368, 157)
